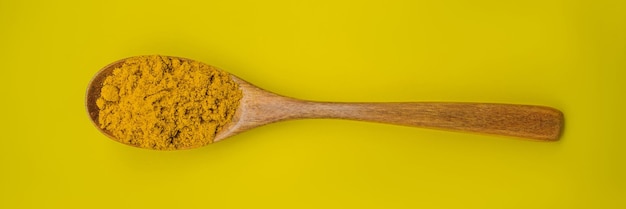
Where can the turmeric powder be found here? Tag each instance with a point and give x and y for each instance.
(166, 103)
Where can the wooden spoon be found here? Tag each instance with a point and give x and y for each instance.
(259, 107)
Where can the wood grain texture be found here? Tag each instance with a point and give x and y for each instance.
(259, 107)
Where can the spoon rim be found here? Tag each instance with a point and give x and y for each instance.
(94, 88)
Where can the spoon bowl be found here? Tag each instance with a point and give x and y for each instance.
(259, 107)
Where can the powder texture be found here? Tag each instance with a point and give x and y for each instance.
(166, 103)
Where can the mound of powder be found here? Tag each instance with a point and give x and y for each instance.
(166, 103)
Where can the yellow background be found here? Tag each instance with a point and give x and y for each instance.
(568, 54)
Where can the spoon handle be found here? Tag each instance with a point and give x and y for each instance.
(525, 121)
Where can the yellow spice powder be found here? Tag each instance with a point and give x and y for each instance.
(166, 103)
